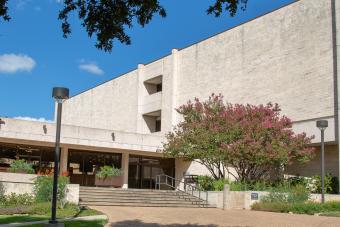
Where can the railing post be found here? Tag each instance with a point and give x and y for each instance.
(206, 197)
(199, 197)
(156, 182)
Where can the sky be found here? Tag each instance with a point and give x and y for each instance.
(34, 57)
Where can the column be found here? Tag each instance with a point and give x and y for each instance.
(140, 88)
(335, 7)
(174, 87)
(125, 169)
(63, 159)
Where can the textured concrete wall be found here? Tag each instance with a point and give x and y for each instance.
(112, 105)
(284, 57)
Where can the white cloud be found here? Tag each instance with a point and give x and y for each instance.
(91, 68)
(41, 119)
(11, 63)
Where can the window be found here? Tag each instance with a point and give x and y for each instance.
(158, 125)
(153, 121)
(153, 85)
(159, 87)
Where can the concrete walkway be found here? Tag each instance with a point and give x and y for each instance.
(199, 217)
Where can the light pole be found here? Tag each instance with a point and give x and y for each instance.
(59, 94)
(322, 125)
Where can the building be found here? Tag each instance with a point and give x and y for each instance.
(289, 56)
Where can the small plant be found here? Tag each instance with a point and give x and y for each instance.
(14, 200)
(329, 184)
(205, 183)
(2, 193)
(218, 185)
(108, 171)
(43, 188)
(287, 194)
(21, 166)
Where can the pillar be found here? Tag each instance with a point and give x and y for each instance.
(174, 87)
(125, 169)
(63, 159)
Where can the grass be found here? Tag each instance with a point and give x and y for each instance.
(95, 223)
(42, 211)
(5, 219)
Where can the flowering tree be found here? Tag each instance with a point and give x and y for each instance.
(251, 139)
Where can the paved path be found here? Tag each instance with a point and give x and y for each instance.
(196, 217)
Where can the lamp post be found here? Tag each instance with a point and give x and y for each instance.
(322, 125)
(59, 94)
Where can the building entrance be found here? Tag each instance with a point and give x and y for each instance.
(143, 170)
(82, 165)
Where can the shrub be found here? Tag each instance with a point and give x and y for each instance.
(331, 184)
(255, 186)
(218, 185)
(205, 183)
(43, 188)
(287, 194)
(2, 193)
(14, 200)
(21, 165)
(108, 171)
(208, 183)
(297, 207)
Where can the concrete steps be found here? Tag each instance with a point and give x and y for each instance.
(95, 196)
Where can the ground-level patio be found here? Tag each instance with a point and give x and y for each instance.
(210, 217)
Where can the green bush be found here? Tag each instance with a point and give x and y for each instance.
(14, 200)
(297, 207)
(208, 183)
(108, 171)
(218, 185)
(316, 182)
(286, 194)
(43, 188)
(21, 165)
(205, 183)
(255, 186)
(2, 193)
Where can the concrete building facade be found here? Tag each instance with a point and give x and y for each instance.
(288, 56)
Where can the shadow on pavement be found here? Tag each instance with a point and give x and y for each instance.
(138, 223)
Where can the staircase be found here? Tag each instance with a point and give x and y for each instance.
(95, 196)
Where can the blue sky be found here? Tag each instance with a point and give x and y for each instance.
(34, 57)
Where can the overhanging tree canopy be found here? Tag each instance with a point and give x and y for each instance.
(108, 19)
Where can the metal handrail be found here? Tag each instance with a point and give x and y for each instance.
(172, 184)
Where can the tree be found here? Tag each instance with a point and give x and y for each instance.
(108, 19)
(252, 139)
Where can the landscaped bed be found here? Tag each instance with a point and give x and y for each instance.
(42, 211)
(96, 223)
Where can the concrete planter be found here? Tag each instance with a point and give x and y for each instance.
(115, 181)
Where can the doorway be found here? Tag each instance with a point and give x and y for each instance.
(83, 165)
(143, 170)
